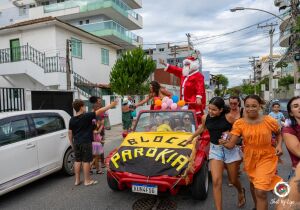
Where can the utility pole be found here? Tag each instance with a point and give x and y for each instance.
(271, 33)
(295, 12)
(253, 62)
(188, 35)
(174, 54)
(68, 66)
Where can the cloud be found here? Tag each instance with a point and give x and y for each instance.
(169, 21)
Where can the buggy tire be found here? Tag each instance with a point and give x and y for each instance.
(112, 183)
(200, 185)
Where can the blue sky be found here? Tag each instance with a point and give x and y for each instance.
(169, 21)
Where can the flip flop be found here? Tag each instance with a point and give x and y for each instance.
(242, 201)
(76, 184)
(100, 172)
(93, 182)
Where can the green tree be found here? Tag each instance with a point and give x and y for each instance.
(247, 89)
(131, 72)
(221, 80)
(234, 91)
(286, 81)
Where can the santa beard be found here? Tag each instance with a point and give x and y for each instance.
(185, 71)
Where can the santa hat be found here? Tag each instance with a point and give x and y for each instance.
(193, 62)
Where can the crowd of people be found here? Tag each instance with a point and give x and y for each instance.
(236, 135)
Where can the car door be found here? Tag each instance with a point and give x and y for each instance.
(51, 137)
(18, 152)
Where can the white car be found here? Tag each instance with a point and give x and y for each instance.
(33, 144)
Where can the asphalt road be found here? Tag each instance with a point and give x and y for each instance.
(58, 192)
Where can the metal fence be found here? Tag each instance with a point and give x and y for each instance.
(12, 99)
(26, 52)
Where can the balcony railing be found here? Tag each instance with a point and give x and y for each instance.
(82, 84)
(286, 13)
(287, 32)
(105, 28)
(26, 52)
(90, 5)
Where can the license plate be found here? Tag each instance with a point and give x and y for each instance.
(145, 188)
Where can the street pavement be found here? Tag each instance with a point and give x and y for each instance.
(57, 191)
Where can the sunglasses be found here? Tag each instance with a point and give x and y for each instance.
(232, 103)
(186, 118)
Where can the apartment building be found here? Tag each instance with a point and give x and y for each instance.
(111, 20)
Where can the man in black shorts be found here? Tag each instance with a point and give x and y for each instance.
(81, 137)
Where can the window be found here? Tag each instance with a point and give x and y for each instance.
(48, 124)
(13, 131)
(80, 22)
(76, 48)
(45, 3)
(58, 1)
(31, 5)
(22, 11)
(161, 49)
(87, 21)
(104, 56)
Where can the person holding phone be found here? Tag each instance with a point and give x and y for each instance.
(219, 122)
(260, 157)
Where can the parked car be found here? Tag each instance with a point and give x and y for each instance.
(155, 158)
(283, 106)
(33, 144)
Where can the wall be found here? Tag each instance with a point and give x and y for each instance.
(42, 39)
(25, 74)
(10, 14)
(166, 78)
(92, 19)
(89, 66)
(285, 93)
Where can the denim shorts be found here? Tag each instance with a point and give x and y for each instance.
(219, 152)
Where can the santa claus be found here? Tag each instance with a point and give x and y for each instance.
(192, 89)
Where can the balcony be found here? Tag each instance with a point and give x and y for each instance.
(284, 40)
(114, 32)
(286, 16)
(113, 9)
(134, 4)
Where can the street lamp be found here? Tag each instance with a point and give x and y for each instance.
(271, 32)
(247, 8)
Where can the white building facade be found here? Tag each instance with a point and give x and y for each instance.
(112, 20)
(34, 36)
(33, 56)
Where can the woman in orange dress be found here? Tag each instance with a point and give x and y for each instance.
(156, 90)
(260, 157)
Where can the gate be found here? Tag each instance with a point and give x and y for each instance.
(12, 99)
(61, 100)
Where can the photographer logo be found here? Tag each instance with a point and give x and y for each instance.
(282, 189)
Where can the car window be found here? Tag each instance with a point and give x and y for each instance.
(48, 124)
(166, 122)
(13, 131)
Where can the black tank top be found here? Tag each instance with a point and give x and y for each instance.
(216, 126)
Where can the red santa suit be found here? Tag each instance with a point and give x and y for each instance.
(191, 86)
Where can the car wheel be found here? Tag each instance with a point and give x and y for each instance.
(112, 183)
(68, 164)
(200, 183)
